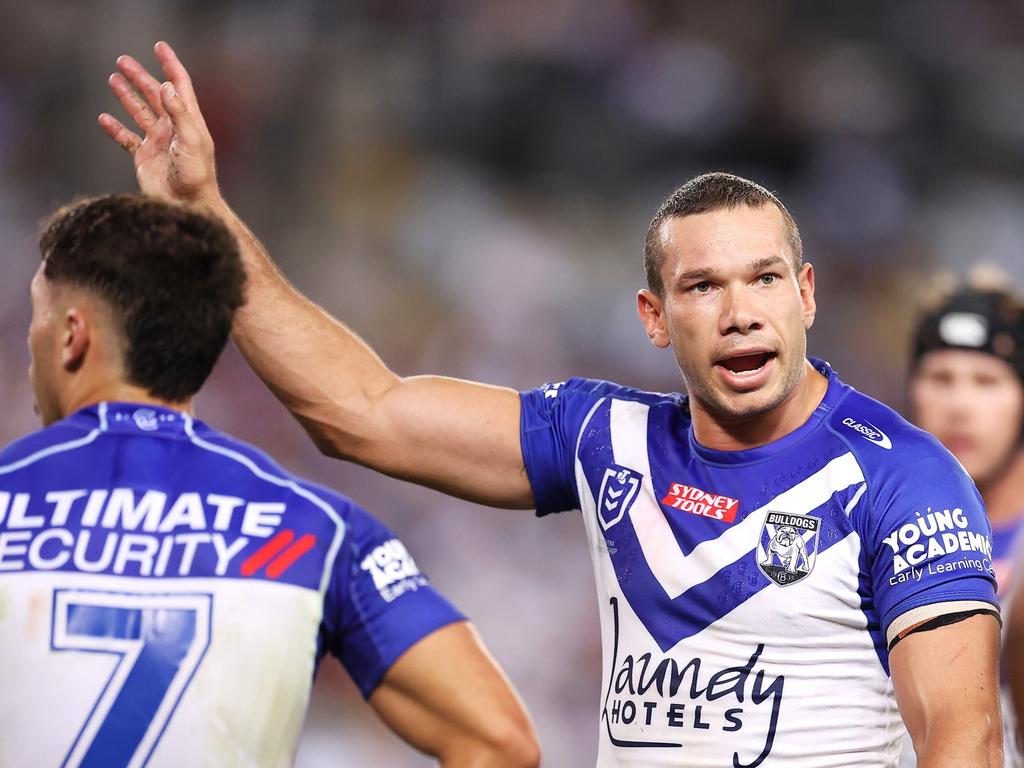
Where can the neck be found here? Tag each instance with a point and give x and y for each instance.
(1004, 496)
(720, 433)
(122, 392)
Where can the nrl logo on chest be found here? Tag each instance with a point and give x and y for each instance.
(619, 488)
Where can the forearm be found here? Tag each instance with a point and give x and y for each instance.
(318, 368)
(459, 437)
(447, 697)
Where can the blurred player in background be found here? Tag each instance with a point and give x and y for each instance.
(767, 549)
(967, 389)
(166, 592)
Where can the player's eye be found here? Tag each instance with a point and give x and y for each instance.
(940, 378)
(769, 278)
(702, 287)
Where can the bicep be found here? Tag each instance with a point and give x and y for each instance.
(459, 437)
(446, 689)
(946, 681)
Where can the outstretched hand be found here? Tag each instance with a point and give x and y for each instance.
(174, 156)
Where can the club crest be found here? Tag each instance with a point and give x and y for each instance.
(619, 488)
(788, 547)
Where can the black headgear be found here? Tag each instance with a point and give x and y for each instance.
(983, 320)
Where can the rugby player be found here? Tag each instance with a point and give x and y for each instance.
(166, 592)
(966, 387)
(725, 642)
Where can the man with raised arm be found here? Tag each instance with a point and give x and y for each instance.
(781, 561)
(166, 591)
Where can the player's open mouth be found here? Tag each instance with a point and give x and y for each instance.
(746, 371)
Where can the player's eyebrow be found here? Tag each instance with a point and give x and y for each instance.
(703, 273)
(766, 262)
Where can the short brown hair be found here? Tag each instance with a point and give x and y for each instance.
(703, 194)
(172, 277)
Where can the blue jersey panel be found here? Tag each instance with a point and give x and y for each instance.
(123, 490)
(550, 423)
(379, 603)
(879, 486)
(780, 567)
(99, 494)
(926, 536)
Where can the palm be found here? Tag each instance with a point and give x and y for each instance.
(153, 165)
(164, 167)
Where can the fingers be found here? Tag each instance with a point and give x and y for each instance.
(137, 109)
(179, 76)
(139, 77)
(113, 127)
(161, 110)
(181, 117)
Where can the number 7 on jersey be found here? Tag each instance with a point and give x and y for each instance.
(160, 640)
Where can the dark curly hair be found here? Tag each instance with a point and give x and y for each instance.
(172, 276)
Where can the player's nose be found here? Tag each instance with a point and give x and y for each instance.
(739, 313)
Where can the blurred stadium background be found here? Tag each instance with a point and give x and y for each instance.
(468, 185)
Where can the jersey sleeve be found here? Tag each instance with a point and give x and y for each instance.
(378, 604)
(550, 424)
(929, 542)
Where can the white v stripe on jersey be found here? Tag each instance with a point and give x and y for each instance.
(675, 571)
(715, 653)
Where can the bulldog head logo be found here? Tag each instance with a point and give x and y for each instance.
(788, 547)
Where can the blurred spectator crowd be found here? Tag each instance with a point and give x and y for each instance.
(468, 184)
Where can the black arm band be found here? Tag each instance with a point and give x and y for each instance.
(944, 621)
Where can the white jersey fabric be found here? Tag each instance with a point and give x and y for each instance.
(166, 593)
(748, 598)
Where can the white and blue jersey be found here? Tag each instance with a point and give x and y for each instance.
(749, 598)
(166, 593)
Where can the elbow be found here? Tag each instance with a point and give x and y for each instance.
(995, 747)
(359, 435)
(330, 438)
(974, 742)
(519, 747)
(992, 734)
(511, 744)
(323, 439)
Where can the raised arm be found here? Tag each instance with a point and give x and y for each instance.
(947, 686)
(456, 436)
(446, 697)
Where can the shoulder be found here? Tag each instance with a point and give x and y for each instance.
(62, 435)
(261, 467)
(890, 449)
(577, 392)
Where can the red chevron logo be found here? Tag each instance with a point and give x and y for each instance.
(279, 554)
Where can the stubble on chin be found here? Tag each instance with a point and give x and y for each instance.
(741, 406)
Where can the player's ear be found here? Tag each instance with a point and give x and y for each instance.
(75, 339)
(649, 307)
(805, 279)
